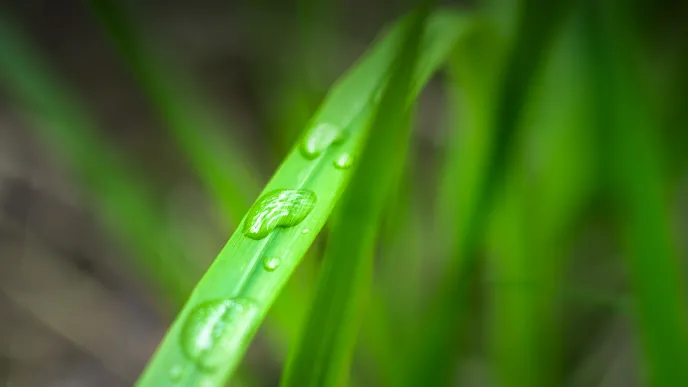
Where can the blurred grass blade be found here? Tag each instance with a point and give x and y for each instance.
(303, 83)
(298, 81)
(315, 19)
(62, 121)
(549, 181)
(323, 355)
(211, 334)
(473, 70)
(473, 73)
(638, 187)
(197, 129)
(395, 299)
(537, 22)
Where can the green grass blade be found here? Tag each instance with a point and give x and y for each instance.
(638, 185)
(300, 79)
(323, 355)
(538, 21)
(198, 132)
(395, 299)
(212, 332)
(549, 181)
(65, 124)
(473, 72)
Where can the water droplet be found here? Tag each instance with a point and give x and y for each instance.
(177, 373)
(319, 138)
(281, 208)
(305, 231)
(215, 328)
(344, 161)
(271, 263)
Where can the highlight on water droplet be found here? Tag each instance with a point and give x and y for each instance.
(344, 161)
(280, 208)
(305, 231)
(319, 138)
(271, 263)
(176, 373)
(214, 329)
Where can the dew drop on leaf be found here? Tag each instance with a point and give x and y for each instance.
(344, 161)
(271, 263)
(177, 373)
(214, 329)
(319, 138)
(280, 208)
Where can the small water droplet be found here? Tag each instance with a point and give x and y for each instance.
(281, 208)
(319, 138)
(305, 231)
(271, 263)
(344, 161)
(177, 373)
(378, 95)
(215, 328)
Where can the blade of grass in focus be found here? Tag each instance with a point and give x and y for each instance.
(548, 182)
(211, 334)
(638, 184)
(293, 99)
(322, 356)
(537, 22)
(63, 122)
(198, 131)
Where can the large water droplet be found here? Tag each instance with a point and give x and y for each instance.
(344, 161)
(214, 329)
(271, 263)
(281, 208)
(319, 138)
